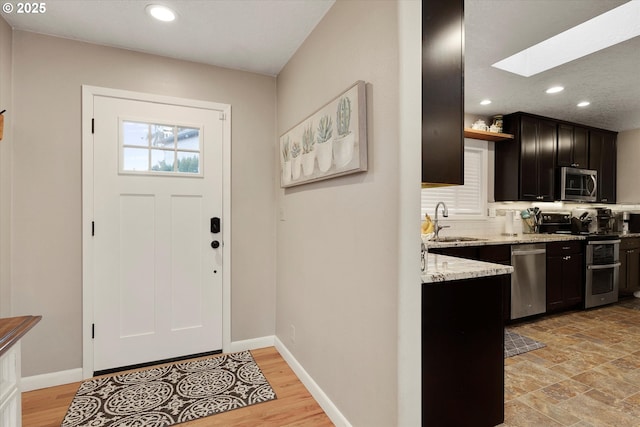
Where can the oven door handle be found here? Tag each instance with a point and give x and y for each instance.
(603, 242)
(602, 267)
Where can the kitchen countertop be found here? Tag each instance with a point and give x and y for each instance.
(512, 240)
(506, 240)
(14, 328)
(444, 268)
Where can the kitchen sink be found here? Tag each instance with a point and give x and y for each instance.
(446, 239)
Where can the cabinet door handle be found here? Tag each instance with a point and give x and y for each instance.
(566, 258)
(565, 248)
(631, 251)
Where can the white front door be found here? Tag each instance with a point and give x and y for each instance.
(157, 273)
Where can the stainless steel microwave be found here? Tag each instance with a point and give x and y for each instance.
(578, 185)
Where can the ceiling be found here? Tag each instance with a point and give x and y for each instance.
(250, 35)
(261, 36)
(609, 79)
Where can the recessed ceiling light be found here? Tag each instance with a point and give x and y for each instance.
(583, 103)
(485, 102)
(161, 13)
(555, 89)
(610, 28)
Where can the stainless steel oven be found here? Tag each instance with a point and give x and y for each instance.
(602, 270)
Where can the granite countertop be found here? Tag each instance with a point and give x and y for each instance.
(511, 240)
(443, 268)
(506, 240)
(14, 328)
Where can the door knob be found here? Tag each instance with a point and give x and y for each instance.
(215, 244)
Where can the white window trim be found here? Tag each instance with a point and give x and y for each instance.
(482, 147)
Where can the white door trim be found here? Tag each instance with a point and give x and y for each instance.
(88, 93)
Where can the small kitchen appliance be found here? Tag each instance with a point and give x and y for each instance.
(577, 185)
(592, 221)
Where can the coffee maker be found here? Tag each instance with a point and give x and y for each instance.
(592, 221)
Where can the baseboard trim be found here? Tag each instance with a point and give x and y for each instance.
(51, 379)
(320, 396)
(252, 344)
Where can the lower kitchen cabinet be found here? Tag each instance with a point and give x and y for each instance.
(565, 275)
(629, 276)
(463, 352)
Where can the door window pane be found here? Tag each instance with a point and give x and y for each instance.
(156, 148)
(135, 159)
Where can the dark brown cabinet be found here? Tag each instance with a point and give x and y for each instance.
(629, 275)
(442, 92)
(463, 353)
(565, 275)
(525, 169)
(602, 157)
(573, 146)
(498, 254)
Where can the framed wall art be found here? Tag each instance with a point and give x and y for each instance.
(331, 142)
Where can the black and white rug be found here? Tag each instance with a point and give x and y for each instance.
(515, 344)
(171, 394)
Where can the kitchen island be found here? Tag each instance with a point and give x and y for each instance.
(12, 329)
(463, 342)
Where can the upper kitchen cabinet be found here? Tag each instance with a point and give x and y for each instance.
(573, 146)
(525, 168)
(442, 92)
(602, 157)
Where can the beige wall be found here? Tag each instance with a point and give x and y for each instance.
(337, 239)
(46, 250)
(5, 169)
(628, 173)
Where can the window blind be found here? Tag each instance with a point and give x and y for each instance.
(468, 200)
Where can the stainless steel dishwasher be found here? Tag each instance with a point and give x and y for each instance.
(528, 280)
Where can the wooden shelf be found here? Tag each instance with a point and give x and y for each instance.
(487, 136)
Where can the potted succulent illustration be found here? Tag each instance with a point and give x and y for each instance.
(308, 151)
(286, 162)
(345, 140)
(295, 159)
(325, 143)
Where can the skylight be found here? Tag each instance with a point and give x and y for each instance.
(608, 29)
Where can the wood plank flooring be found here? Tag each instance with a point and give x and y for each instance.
(293, 407)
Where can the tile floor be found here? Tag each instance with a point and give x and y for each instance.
(588, 375)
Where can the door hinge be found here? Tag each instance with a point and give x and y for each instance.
(93, 228)
(93, 330)
(93, 126)
(223, 116)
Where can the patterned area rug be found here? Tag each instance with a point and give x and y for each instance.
(172, 394)
(515, 344)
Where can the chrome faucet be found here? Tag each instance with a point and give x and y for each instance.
(445, 213)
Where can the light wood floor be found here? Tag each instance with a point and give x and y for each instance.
(293, 407)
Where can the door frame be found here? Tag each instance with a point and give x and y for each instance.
(88, 285)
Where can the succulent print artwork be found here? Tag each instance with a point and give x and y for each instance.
(325, 129)
(308, 139)
(343, 116)
(328, 143)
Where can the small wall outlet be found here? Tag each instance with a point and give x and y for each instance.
(491, 212)
(292, 333)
